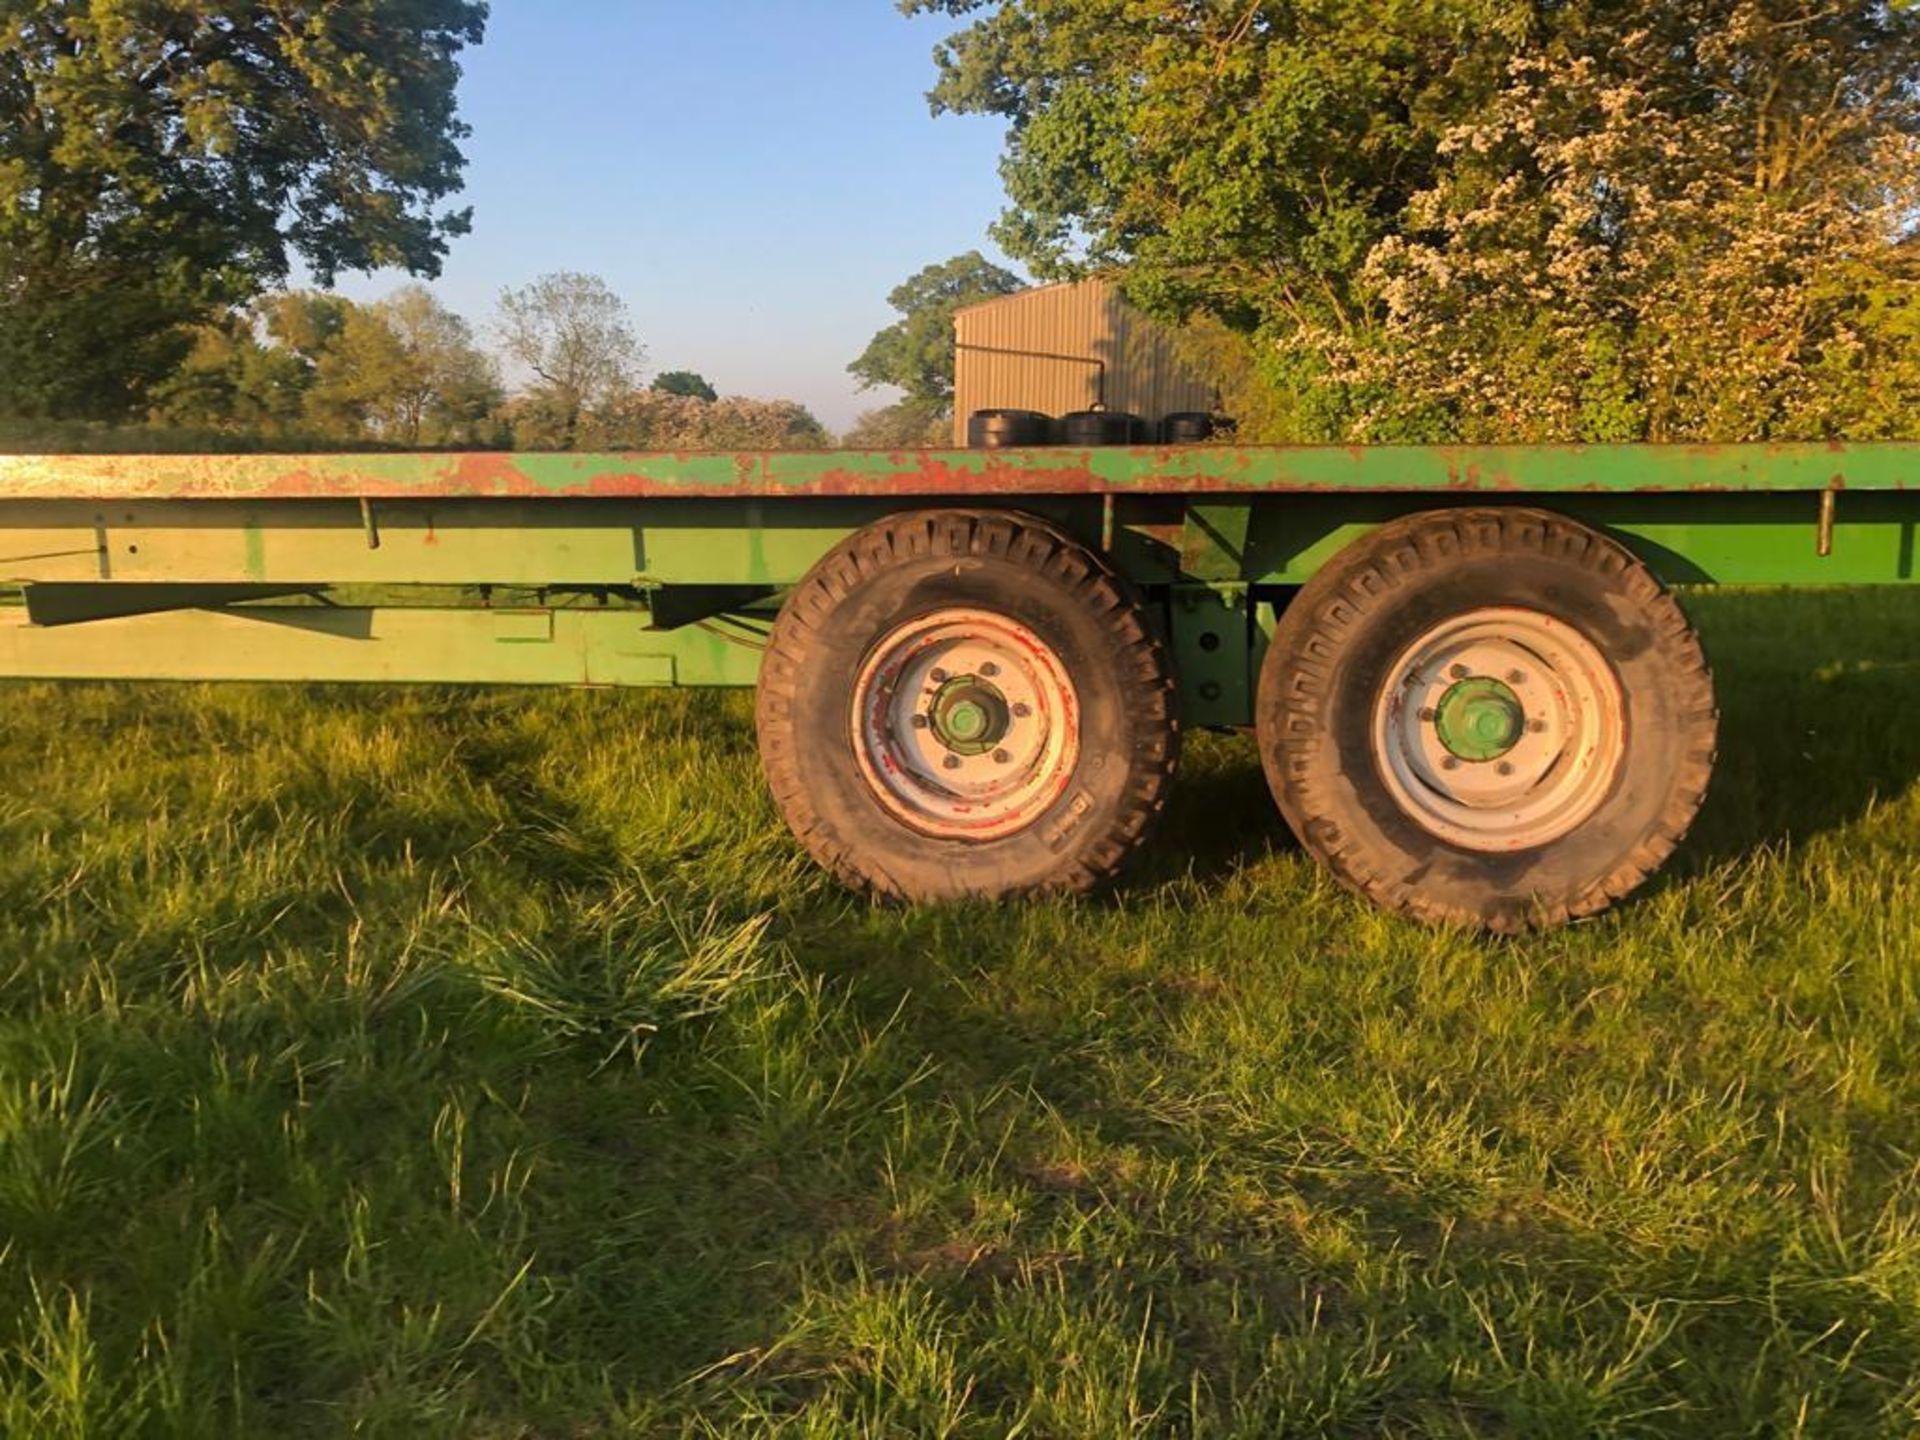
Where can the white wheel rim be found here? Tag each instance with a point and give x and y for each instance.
(1500, 730)
(966, 725)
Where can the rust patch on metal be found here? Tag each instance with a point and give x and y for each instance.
(1140, 470)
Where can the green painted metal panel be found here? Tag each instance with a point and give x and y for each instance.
(948, 473)
(446, 646)
(1213, 539)
(1211, 631)
(1729, 539)
(1764, 539)
(465, 542)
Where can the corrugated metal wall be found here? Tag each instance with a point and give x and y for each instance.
(1087, 320)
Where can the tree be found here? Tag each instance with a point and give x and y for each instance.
(655, 419)
(162, 161)
(916, 352)
(233, 382)
(1483, 218)
(903, 426)
(1605, 257)
(404, 371)
(740, 423)
(304, 322)
(685, 382)
(251, 371)
(574, 336)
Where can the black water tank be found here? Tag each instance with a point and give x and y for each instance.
(998, 429)
(1097, 427)
(1189, 427)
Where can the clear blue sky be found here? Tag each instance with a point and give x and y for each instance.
(752, 176)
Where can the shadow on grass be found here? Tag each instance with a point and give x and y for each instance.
(1089, 1124)
(1817, 691)
(1220, 818)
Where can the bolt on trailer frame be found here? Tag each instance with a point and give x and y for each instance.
(1474, 697)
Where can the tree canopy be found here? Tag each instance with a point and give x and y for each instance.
(915, 353)
(574, 335)
(1602, 219)
(306, 369)
(405, 371)
(901, 426)
(653, 419)
(685, 382)
(161, 160)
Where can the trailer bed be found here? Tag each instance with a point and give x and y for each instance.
(1151, 470)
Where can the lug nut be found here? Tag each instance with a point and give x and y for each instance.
(952, 762)
(1516, 677)
(1504, 767)
(938, 677)
(989, 669)
(1459, 672)
(1001, 757)
(1450, 763)
(1429, 715)
(1022, 710)
(920, 722)
(1536, 727)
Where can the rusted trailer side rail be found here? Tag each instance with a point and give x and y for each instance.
(1197, 470)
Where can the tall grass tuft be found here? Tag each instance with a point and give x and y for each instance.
(627, 964)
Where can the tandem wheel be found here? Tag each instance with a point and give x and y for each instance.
(1491, 717)
(961, 703)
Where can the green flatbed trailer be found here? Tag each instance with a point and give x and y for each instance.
(1475, 697)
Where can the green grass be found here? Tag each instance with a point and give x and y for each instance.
(427, 1063)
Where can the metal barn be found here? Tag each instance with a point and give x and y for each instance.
(1062, 348)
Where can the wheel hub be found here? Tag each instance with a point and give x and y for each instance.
(1499, 730)
(1480, 719)
(969, 715)
(965, 725)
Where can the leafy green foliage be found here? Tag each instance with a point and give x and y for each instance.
(160, 161)
(658, 420)
(1482, 218)
(232, 381)
(401, 372)
(574, 335)
(309, 1125)
(405, 371)
(907, 425)
(915, 353)
(684, 382)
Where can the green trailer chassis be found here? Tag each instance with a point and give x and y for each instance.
(663, 570)
(671, 570)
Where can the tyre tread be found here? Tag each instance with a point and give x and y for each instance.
(1311, 631)
(1019, 539)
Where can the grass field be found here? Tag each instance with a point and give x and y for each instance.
(490, 1064)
